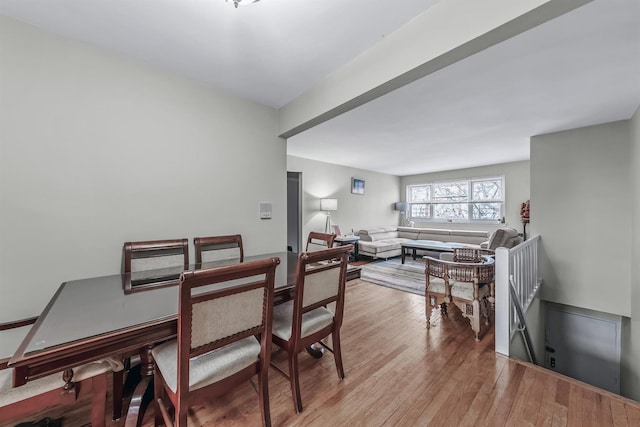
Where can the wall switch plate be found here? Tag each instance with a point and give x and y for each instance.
(265, 210)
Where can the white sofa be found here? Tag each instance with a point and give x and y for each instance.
(382, 242)
(385, 242)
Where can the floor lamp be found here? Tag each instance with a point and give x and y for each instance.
(403, 207)
(328, 205)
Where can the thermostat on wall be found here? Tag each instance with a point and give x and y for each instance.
(265, 210)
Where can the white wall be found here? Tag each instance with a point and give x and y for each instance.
(516, 176)
(630, 384)
(97, 149)
(571, 170)
(581, 206)
(322, 180)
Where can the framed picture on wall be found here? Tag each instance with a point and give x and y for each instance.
(357, 186)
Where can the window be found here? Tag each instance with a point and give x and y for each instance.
(463, 200)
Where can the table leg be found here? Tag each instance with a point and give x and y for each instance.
(402, 251)
(143, 393)
(413, 254)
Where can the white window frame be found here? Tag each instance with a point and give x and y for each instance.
(469, 201)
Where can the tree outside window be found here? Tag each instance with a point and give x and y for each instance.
(460, 200)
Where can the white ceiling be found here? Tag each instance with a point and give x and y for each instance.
(580, 69)
(269, 52)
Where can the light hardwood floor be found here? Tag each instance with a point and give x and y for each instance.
(398, 373)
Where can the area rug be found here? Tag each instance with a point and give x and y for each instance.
(408, 277)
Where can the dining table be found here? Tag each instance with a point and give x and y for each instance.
(119, 314)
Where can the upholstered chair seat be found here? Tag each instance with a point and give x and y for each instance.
(312, 321)
(49, 391)
(10, 394)
(464, 290)
(207, 368)
(437, 285)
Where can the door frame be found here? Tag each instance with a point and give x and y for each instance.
(296, 176)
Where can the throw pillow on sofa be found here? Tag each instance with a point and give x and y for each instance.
(504, 238)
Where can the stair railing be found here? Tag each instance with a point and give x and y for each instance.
(518, 282)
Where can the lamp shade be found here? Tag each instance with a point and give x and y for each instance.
(328, 204)
(401, 206)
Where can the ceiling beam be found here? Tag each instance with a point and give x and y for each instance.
(446, 33)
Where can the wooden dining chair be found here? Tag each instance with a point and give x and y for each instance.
(224, 338)
(52, 390)
(218, 248)
(306, 320)
(148, 265)
(319, 241)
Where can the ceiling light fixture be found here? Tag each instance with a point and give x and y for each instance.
(242, 2)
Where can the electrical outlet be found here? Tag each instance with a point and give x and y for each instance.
(552, 362)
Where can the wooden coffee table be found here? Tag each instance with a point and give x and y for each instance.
(429, 245)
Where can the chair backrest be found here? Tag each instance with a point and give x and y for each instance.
(156, 254)
(470, 254)
(320, 280)
(240, 306)
(218, 248)
(465, 255)
(319, 241)
(435, 268)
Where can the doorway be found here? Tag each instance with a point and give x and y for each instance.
(294, 211)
